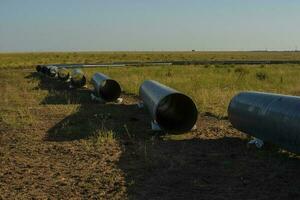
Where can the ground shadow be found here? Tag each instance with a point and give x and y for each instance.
(156, 167)
(60, 91)
(89, 119)
(208, 169)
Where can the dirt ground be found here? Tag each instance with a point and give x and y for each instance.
(60, 156)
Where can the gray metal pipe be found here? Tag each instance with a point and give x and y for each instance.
(48, 70)
(63, 74)
(44, 69)
(78, 78)
(52, 71)
(38, 68)
(105, 87)
(172, 110)
(270, 117)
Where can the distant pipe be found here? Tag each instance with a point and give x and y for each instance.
(63, 74)
(78, 78)
(105, 87)
(44, 69)
(38, 68)
(172, 110)
(270, 117)
(52, 71)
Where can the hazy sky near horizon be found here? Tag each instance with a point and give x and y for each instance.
(137, 25)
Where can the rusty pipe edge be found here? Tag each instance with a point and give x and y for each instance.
(172, 110)
(105, 87)
(78, 78)
(270, 117)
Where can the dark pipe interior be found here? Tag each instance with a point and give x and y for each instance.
(63, 76)
(38, 68)
(176, 112)
(51, 73)
(44, 70)
(48, 72)
(110, 90)
(76, 82)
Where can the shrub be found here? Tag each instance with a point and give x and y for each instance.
(241, 70)
(261, 76)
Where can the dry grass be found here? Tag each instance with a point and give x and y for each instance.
(30, 59)
(57, 144)
(213, 87)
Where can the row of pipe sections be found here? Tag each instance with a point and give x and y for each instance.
(170, 109)
(274, 118)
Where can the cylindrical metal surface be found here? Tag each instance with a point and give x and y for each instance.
(270, 117)
(78, 78)
(105, 87)
(172, 110)
(63, 74)
(52, 71)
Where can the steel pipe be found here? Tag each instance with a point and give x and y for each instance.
(47, 70)
(78, 78)
(105, 87)
(38, 68)
(270, 117)
(63, 74)
(52, 71)
(172, 110)
(44, 69)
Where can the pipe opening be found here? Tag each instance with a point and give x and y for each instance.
(110, 90)
(52, 72)
(44, 70)
(38, 68)
(176, 112)
(63, 74)
(78, 80)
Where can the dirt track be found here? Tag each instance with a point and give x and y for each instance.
(58, 157)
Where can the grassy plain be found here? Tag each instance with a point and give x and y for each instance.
(57, 143)
(30, 59)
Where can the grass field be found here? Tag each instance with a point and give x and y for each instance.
(56, 143)
(21, 60)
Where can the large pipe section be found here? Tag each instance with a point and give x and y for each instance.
(78, 78)
(52, 71)
(44, 69)
(38, 68)
(48, 70)
(270, 117)
(170, 109)
(105, 87)
(63, 74)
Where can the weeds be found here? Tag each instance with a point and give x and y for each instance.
(261, 76)
(103, 136)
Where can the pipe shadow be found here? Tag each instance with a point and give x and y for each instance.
(60, 91)
(156, 167)
(89, 119)
(221, 168)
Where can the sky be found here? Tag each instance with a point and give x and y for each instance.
(149, 25)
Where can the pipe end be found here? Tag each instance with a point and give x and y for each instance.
(176, 113)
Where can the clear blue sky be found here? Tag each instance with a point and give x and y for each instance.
(107, 25)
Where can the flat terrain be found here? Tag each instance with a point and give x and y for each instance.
(55, 143)
(21, 60)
